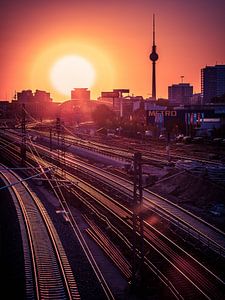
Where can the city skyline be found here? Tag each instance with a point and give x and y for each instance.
(116, 39)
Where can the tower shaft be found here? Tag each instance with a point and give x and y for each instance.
(153, 81)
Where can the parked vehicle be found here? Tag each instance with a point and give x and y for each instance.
(198, 140)
(187, 139)
(162, 137)
(179, 138)
(217, 141)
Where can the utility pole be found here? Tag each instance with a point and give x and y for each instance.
(50, 137)
(58, 128)
(63, 149)
(168, 144)
(60, 144)
(138, 229)
(23, 142)
(50, 143)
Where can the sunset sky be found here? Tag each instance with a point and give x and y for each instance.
(115, 37)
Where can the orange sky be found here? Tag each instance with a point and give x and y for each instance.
(115, 36)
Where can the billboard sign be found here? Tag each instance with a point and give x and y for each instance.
(121, 90)
(165, 113)
(110, 94)
(160, 117)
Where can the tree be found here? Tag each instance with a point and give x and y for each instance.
(103, 116)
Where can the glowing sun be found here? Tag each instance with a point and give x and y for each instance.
(70, 72)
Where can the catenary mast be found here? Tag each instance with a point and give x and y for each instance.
(153, 57)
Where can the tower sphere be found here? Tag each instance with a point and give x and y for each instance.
(153, 56)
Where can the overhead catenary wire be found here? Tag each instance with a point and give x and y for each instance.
(35, 158)
(79, 235)
(23, 179)
(8, 145)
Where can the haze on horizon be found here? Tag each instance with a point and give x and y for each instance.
(115, 37)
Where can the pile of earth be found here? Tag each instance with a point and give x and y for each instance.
(195, 193)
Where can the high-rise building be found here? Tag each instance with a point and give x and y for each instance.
(212, 82)
(180, 93)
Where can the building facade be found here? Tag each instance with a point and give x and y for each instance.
(180, 94)
(212, 82)
(27, 96)
(80, 94)
(38, 104)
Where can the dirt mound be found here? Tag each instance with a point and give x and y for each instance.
(196, 194)
(187, 188)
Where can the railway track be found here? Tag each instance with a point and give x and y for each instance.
(154, 153)
(47, 270)
(185, 276)
(160, 204)
(100, 278)
(153, 150)
(198, 282)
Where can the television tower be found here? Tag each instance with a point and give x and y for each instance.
(153, 57)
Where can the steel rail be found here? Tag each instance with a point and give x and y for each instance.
(53, 275)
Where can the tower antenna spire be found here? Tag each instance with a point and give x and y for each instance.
(153, 29)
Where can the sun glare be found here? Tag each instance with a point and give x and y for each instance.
(71, 72)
